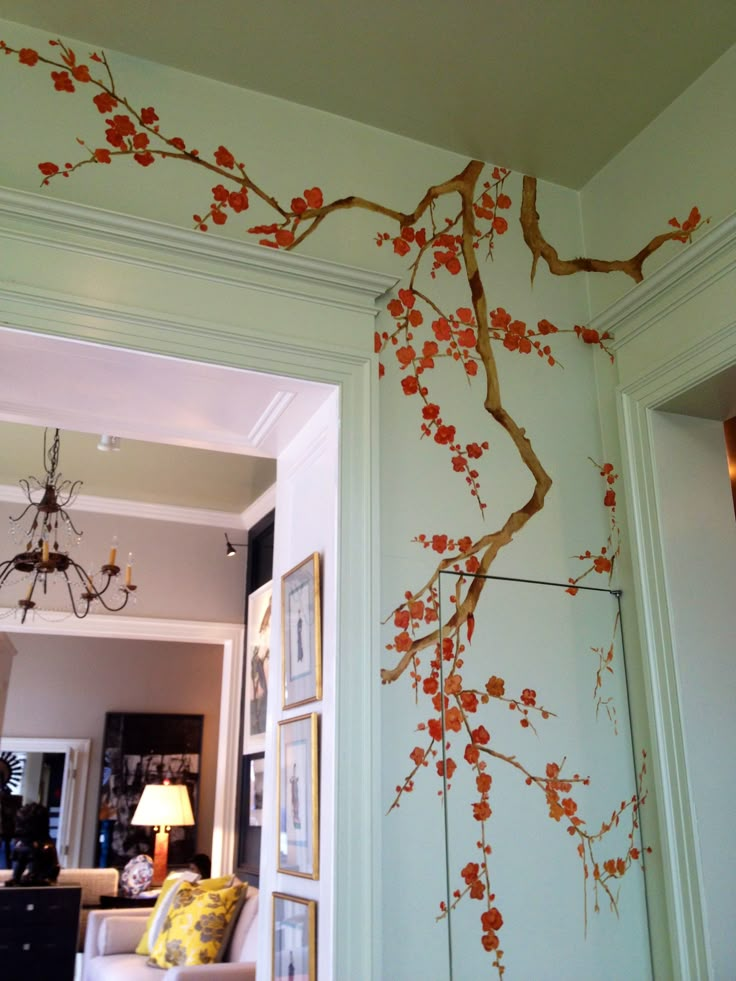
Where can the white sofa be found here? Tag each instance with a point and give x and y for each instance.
(113, 934)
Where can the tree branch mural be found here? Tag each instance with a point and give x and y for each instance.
(451, 224)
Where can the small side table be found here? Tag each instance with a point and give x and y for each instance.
(38, 935)
(126, 902)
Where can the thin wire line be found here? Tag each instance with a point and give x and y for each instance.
(532, 582)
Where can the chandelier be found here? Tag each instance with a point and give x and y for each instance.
(44, 563)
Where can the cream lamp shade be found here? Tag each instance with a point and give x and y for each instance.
(163, 806)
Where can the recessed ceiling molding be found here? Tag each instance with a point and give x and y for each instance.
(139, 509)
(269, 417)
(98, 233)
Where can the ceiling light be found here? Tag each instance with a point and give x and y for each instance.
(43, 565)
(231, 546)
(109, 444)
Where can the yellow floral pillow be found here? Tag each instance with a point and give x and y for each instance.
(158, 914)
(198, 925)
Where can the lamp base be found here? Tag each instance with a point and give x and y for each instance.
(160, 856)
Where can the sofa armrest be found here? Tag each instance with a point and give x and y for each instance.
(213, 972)
(120, 934)
(97, 919)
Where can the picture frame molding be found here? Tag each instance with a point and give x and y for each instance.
(254, 742)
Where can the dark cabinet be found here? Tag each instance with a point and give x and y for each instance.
(38, 932)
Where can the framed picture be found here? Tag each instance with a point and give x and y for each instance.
(257, 662)
(298, 806)
(294, 938)
(301, 633)
(251, 814)
(141, 748)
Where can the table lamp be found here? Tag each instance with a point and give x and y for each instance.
(163, 806)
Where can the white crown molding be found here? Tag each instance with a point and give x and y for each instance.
(696, 268)
(92, 231)
(269, 417)
(139, 509)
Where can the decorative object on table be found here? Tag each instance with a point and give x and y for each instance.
(141, 748)
(294, 942)
(301, 633)
(163, 806)
(137, 875)
(44, 567)
(257, 664)
(250, 814)
(298, 804)
(33, 853)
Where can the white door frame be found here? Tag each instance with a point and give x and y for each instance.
(73, 788)
(212, 300)
(672, 333)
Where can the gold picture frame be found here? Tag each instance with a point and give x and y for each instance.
(301, 633)
(293, 938)
(297, 841)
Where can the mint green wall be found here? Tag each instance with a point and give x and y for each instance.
(288, 148)
(683, 158)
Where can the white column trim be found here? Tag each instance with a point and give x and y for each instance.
(693, 278)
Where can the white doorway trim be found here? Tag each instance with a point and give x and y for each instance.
(673, 333)
(86, 275)
(230, 637)
(73, 788)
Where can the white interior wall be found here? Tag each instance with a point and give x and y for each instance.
(306, 522)
(699, 544)
(7, 653)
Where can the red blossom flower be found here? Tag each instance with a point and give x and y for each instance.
(417, 755)
(81, 73)
(104, 102)
(103, 156)
(430, 686)
(405, 355)
(48, 169)
(62, 81)
(223, 158)
(410, 385)
(481, 811)
(491, 919)
(401, 246)
(148, 116)
(401, 619)
(441, 329)
(314, 197)
(435, 729)
(609, 500)
(402, 641)
(480, 736)
(146, 159)
(483, 782)
(407, 298)
(27, 56)
(284, 238)
(472, 754)
(453, 719)
(430, 411)
(469, 701)
(439, 543)
(444, 434)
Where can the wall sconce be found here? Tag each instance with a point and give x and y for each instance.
(230, 547)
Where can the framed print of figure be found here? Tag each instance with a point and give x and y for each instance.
(301, 633)
(298, 797)
(294, 942)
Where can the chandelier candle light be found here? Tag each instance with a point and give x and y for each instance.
(43, 563)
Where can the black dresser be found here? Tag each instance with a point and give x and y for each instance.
(38, 932)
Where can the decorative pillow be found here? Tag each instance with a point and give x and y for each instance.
(163, 904)
(197, 928)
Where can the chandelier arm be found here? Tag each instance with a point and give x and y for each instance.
(114, 609)
(22, 514)
(72, 600)
(5, 569)
(70, 488)
(65, 517)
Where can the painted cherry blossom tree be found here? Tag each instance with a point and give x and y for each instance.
(451, 228)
